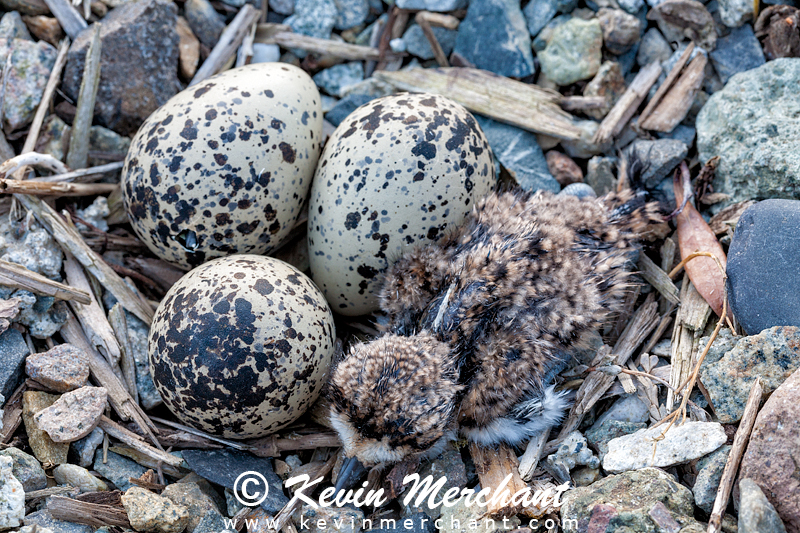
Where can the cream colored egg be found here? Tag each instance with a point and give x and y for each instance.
(398, 172)
(241, 346)
(224, 166)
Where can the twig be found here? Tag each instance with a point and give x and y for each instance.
(32, 159)
(273, 446)
(425, 20)
(50, 491)
(92, 514)
(41, 188)
(76, 175)
(228, 43)
(659, 279)
(533, 452)
(667, 84)
(136, 442)
(78, 153)
(197, 432)
(118, 322)
(67, 17)
(49, 90)
(627, 105)
(351, 52)
(735, 455)
(19, 277)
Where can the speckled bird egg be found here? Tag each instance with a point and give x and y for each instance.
(241, 346)
(397, 173)
(224, 166)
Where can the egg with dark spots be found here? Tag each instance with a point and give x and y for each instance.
(398, 172)
(241, 346)
(225, 166)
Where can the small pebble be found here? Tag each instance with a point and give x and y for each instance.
(12, 496)
(756, 514)
(78, 477)
(190, 496)
(74, 415)
(63, 368)
(44, 28)
(44, 448)
(620, 30)
(573, 51)
(151, 512)
(563, 168)
(26, 469)
(117, 469)
(84, 448)
(206, 24)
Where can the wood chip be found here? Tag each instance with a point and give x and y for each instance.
(493, 466)
(12, 414)
(520, 104)
(726, 219)
(533, 452)
(18, 277)
(39, 188)
(91, 514)
(136, 442)
(127, 364)
(658, 279)
(628, 103)
(78, 154)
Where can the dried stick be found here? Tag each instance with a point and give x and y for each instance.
(32, 159)
(197, 432)
(272, 446)
(78, 153)
(533, 452)
(67, 17)
(627, 105)
(19, 277)
(136, 442)
(425, 19)
(83, 174)
(12, 414)
(667, 84)
(49, 90)
(493, 466)
(91, 514)
(50, 491)
(735, 455)
(659, 279)
(228, 43)
(315, 45)
(42, 188)
(118, 322)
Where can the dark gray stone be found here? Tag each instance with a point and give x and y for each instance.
(658, 158)
(224, 466)
(138, 66)
(600, 434)
(345, 106)
(13, 351)
(429, 5)
(756, 513)
(538, 13)
(12, 27)
(117, 469)
(709, 474)
(493, 37)
(736, 52)
(212, 522)
(600, 174)
(43, 519)
(764, 266)
(418, 45)
(351, 13)
(681, 132)
(26, 469)
(653, 47)
(206, 23)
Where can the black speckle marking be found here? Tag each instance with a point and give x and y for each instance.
(352, 220)
(288, 152)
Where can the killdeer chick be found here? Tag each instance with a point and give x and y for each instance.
(479, 323)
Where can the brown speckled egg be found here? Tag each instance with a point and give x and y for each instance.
(224, 166)
(398, 172)
(241, 346)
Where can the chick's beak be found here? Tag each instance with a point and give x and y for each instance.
(344, 473)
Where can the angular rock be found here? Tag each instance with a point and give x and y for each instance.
(95, 214)
(600, 174)
(418, 45)
(12, 496)
(626, 501)
(600, 434)
(27, 77)
(63, 368)
(351, 13)
(752, 123)
(282, 7)
(573, 51)
(737, 52)
(36, 529)
(42, 315)
(44, 448)
(493, 37)
(762, 266)
(627, 408)
(538, 13)
(584, 147)
(78, 477)
(620, 30)
(681, 132)
(45, 29)
(315, 18)
(345, 106)
(334, 79)
(450, 465)
(773, 452)
(212, 521)
(84, 448)
(204, 22)
(708, 478)
(224, 466)
(519, 152)
(12, 27)
(13, 350)
(74, 415)
(34, 249)
(734, 13)
(117, 469)
(138, 65)
(563, 169)
(151, 512)
(756, 514)
(190, 496)
(26, 469)
(681, 444)
(659, 158)
(608, 83)
(266, 53)
(573, 451)
(772, 356)
(432, 5)
(653, 47)
(44, 520)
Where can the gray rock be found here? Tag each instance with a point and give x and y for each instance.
(148, 511)
(95, 214)
(432, 5)
(626, 501)
(538, 13)
(13, 350)
(494, 37)
(756, 514)
(737, 52)
(139, 64)
(709, 474)
(315, 18)
(573, 51)
(418, 45)
(573, 451)
(653, 47)
(224, 466)
(53, 137)
(752, 124)
(78, 477)
(74, 415)
(628, 408)
(212, 521)
(772, 356)
(763, 266)
(631, 6)
(26, 469)
(282, 7)
(104, 140)
(330, 519)
(621, 30)
(581, 190)
(600, 434)
(518, 151)
(351, 13)
(118, 469)
(585, 147)
(26, 79)
(42, 315)
(206, 23)
(84, 448)
(32, 247)
(681, 444)
(345, 106)
(63, 368)
(12, 27)
(266, 53)
(333, 79)
(448, 464)
(190, 495)
(681, 132)
(43, 519)
(600, 174)
(734, 13)
(659, 158)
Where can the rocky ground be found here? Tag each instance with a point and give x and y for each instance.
(638, 87)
